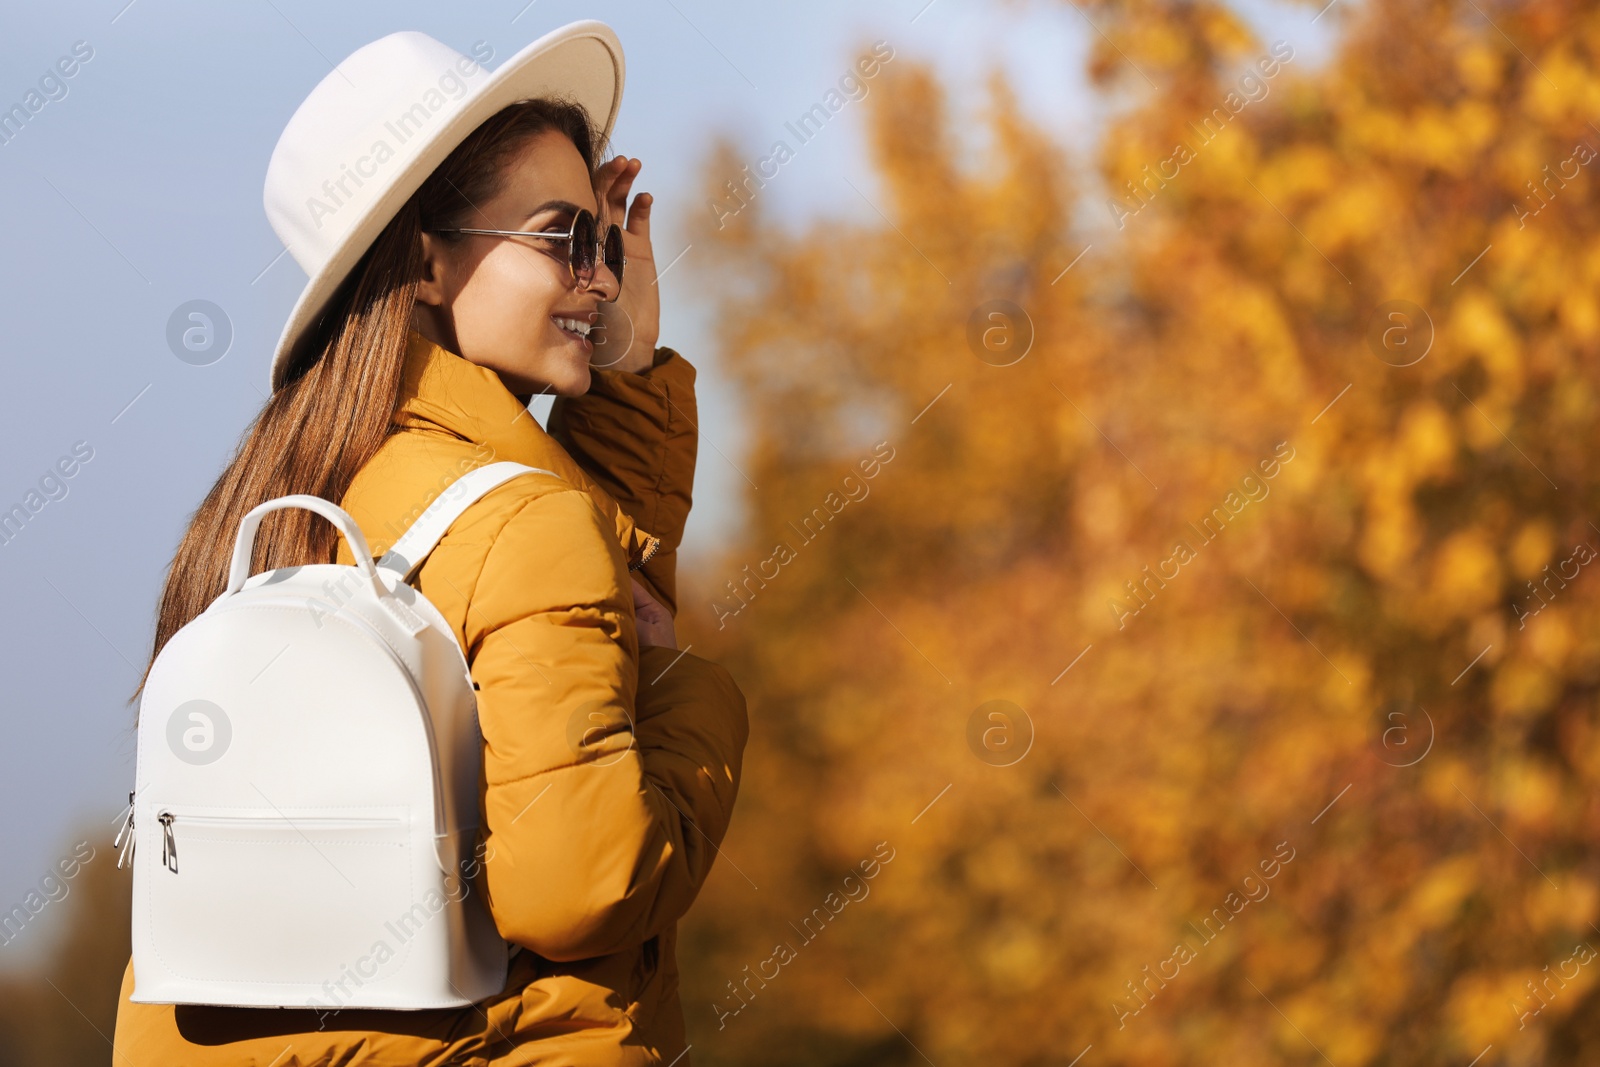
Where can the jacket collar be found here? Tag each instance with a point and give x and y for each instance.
(445, 392)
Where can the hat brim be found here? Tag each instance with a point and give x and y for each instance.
(581, 61)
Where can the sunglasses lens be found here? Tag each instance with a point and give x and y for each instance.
(613, 252)
(584, 231)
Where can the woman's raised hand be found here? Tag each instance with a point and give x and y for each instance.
(631, 323)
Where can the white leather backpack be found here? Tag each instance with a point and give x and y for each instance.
(306, 792)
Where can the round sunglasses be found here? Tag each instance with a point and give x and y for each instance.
(585, 245)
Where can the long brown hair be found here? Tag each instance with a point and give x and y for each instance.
(337, 400)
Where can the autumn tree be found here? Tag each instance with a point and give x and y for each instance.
(1269, 554)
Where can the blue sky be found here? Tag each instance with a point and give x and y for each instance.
(139, 190)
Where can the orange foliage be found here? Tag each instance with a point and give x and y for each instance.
(1382, 656)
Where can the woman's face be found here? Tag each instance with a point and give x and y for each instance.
(495, 300)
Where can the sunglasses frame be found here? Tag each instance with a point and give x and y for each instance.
(601, 237)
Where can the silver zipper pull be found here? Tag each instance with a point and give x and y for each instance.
(169, 846)
(125, 851)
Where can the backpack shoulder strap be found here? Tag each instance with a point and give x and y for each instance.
(422, 535)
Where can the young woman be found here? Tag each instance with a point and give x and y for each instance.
(418, 366)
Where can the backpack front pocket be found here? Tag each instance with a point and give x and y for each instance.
(318, 901)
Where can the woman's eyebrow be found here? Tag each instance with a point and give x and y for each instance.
(548, 205)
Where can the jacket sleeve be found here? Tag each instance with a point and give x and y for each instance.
(637, 435)
(600, 822)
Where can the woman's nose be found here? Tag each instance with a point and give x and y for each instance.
(605, 283)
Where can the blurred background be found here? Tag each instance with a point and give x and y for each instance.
(1143, 499)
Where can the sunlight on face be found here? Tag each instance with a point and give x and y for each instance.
(495, 300)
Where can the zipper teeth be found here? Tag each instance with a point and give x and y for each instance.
(655, 543)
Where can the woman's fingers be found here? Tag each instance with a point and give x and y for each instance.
(620, 187)
(612, 183)
(653, 622)
(639, 215)
(604, 175)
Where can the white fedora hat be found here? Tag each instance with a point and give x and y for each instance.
(373, 130)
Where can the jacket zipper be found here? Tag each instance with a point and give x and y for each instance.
(650, 550)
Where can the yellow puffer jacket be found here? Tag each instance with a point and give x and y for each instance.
(588, 860)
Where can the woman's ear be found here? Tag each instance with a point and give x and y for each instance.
(431, 288)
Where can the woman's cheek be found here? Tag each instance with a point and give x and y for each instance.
(516, 301)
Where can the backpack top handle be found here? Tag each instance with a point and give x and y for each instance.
(244, 543)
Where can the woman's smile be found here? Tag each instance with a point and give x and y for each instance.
(576, 327)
